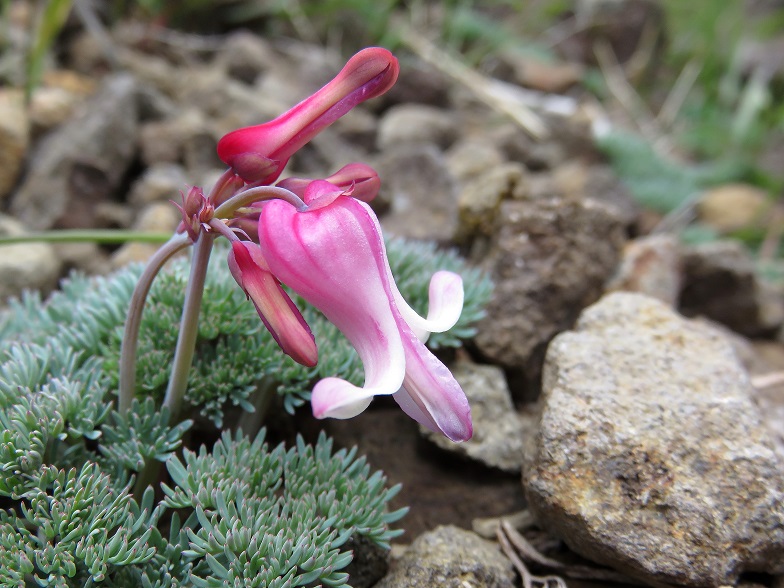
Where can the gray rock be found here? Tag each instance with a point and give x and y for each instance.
(650, 265)
(420, 192)
(155, 217)
(549, 258)
(651, 456)
(83, 162)
(161, 182)
(420, 83)
(481, 197)
(25, 266)
(721, 283)
(570, 139)
(186, 138)
(498, 428)
(416, 123)
(245, 55)
(469, 158)
(450, 557)
(14, 138)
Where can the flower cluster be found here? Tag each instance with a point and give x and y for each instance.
(320, 238)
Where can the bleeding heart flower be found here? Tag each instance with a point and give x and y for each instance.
(259, 153)
(333, 255)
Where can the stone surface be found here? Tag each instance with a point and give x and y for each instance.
(651, 456)
(472, 157)
(650, 265)
(547, 264)
(14, 138)
(498, 428)
(160, 217)
(25, 266)
(83, 162)
(161, 182)
(57, 98)
(416, 123)
(450, 557)
(420, 192)
(734, 206)
(545, 75)
(721, 283)
(245, 56)
(480, 199)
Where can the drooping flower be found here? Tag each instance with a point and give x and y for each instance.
(279, 314)
(333, 255)
(259, 153)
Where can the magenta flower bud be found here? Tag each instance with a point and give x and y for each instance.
(196, 210)
(276, 310)
(259, 153)
(226, 187)
(357, 180)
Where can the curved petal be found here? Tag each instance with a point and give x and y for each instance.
(446, 297)
(278, 313)
(445, 305)
(333, 257)
(430, 394)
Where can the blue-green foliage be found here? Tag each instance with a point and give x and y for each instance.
(254, 516)
(296, 507)
(234, 351)
(657, 183)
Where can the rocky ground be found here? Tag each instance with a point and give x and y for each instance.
(612, 432)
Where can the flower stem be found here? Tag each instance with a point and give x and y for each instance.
(189, 326)
(258, 194)
(108, 236)
(127, 384)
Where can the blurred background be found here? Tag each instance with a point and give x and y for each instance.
(683, 99)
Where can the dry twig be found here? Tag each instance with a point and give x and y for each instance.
(523, 552)
(483, 88)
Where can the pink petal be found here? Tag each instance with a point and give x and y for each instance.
(430, 394)
(333, 257)
(445, 305)
(279, 314)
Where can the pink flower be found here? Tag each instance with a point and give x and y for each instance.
(279, 314)
(259, 153)
(333, 255)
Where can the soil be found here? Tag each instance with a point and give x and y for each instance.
(440, 488)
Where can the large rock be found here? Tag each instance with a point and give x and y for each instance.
(651, 456)
(721, 282)
(420, 191)
(14, 138)
(550, 258)
(650, 265)
(25, 266)
(83, 162)
(450, 557)
(416, 123)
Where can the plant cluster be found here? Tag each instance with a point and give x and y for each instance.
(242, 512)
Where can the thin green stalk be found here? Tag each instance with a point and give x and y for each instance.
(189, 325)
(109, 236)
(127, 384)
